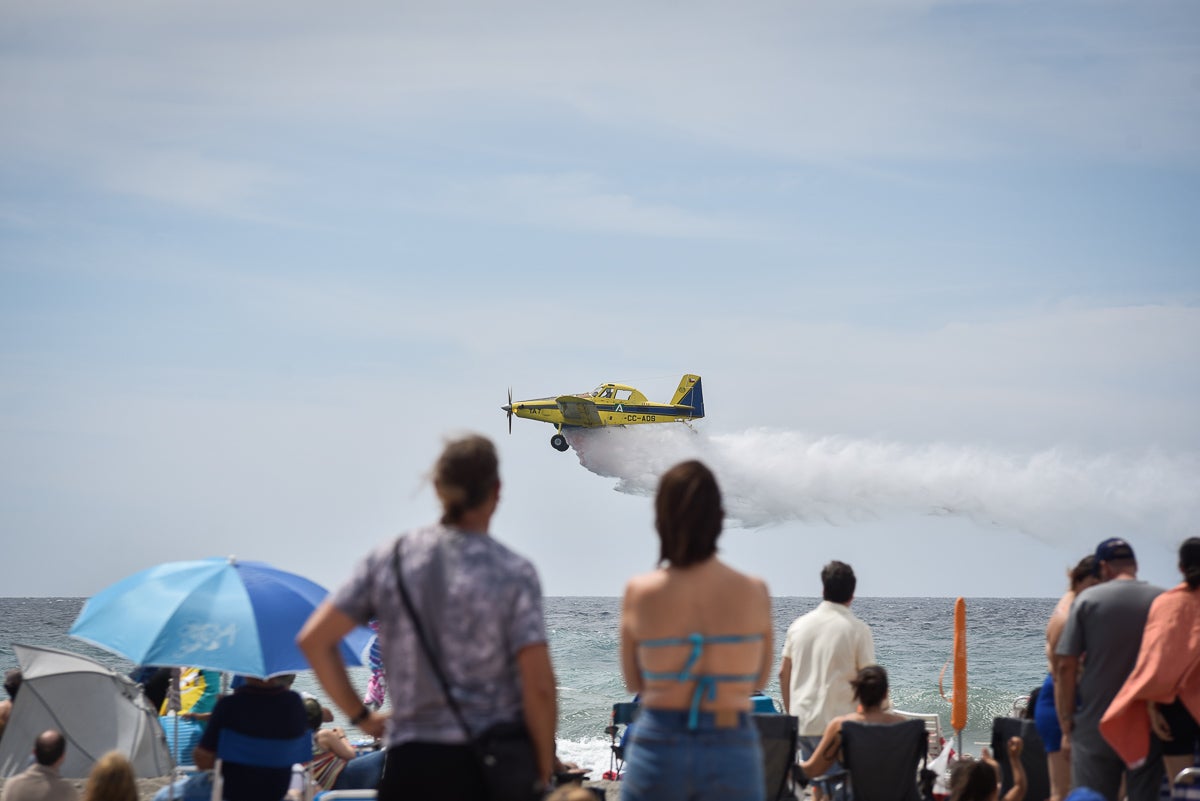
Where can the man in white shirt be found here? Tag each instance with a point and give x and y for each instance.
(822, 652)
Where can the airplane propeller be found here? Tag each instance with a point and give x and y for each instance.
(508, 408)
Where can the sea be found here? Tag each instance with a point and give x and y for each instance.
(913, 640)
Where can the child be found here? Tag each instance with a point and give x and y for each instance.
(979, 780)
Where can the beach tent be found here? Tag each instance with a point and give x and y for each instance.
(96, 708)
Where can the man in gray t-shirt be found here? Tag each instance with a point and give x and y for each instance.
(1103, 633)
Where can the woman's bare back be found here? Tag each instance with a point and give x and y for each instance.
(710, 599)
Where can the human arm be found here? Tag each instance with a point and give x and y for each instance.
(1020, 783)
(318, 640)
(335, 740)
(1158, 723)
(539, 703)
(204, 759)
(768, 649)
(826, 752)
(1066, 674)
(785, 682)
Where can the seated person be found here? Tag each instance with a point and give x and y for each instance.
(871, 693)
(12, 683)
(268, 712)
(335, 764)
(41, 779)
(979, 780)
(196, 786)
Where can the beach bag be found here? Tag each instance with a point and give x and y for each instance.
(509, 765)
(505, 750)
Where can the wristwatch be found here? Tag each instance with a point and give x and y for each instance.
(362, 715)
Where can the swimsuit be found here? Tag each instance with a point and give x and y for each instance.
(706, 684)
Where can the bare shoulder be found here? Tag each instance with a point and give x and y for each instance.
(639, 587)
(753, 587)
(644, 582)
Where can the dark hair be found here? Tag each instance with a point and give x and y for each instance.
(838, 581)
(1189, 561)
(312, 710)
(1031, 705)
(687, 514)
(870, 686)
(49, 747)
(972, 780)
(1084, 570)
(465, 473)
(12, 682)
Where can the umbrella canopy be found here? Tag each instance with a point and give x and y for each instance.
(219, 614)
(97, 709)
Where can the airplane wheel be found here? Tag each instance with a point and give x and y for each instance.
(559, 442)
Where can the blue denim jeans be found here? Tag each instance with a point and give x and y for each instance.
(361, 773)
(668, 762)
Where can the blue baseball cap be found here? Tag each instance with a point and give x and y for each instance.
(1113, 549)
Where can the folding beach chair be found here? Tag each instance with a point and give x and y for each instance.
(881, 759)
(778, 735)
(1187, 785)
(1033, 755)
(933, 725)
(623, 714)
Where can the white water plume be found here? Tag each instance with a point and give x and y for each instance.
(770, 477)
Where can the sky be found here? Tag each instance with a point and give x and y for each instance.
(938, 265)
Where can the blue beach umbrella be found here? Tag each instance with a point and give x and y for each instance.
(218, 614)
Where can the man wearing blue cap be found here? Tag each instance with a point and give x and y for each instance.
(1104, 632)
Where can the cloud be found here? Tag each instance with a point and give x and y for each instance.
(582, 202)
(825, 82)
(224, 187)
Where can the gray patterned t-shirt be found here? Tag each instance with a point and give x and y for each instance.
(479, 603)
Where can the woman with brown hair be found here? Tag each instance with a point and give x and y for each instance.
(871, 693)
(479, 606)
(695, 643)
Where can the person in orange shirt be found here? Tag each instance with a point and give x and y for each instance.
(1162, 694)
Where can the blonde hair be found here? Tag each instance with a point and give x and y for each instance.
(111, 779)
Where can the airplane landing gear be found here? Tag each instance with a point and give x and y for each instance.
(559, 442)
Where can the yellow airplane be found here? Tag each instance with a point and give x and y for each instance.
(609, 405)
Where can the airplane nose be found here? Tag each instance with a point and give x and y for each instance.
(506, 408)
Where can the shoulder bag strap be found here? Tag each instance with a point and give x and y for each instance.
(426, 648)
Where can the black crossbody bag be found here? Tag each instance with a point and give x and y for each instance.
(505, 750)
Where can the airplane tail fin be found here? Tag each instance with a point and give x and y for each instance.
(690, 393)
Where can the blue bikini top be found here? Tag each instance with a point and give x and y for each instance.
(706, 684)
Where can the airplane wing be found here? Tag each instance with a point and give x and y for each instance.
(577, 411)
